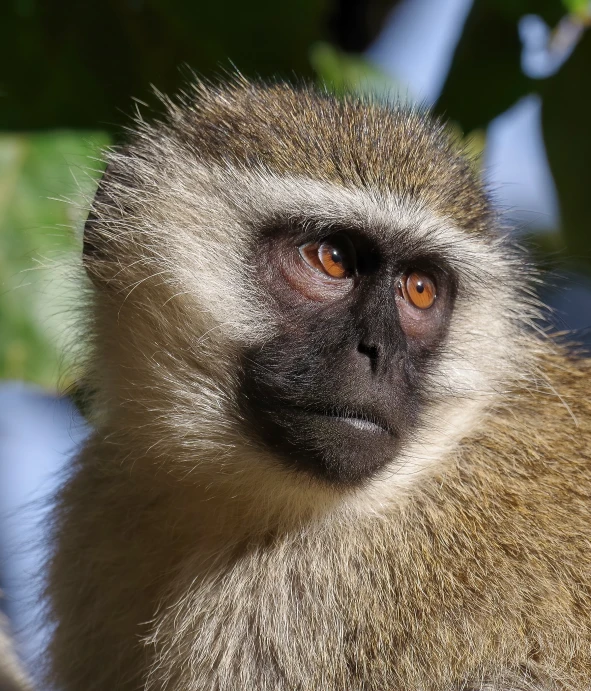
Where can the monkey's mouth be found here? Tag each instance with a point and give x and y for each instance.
(337, 444)
(341, 445)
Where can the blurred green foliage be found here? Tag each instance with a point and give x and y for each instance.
(566, 124)
(487, 61)
(487, 64)
(36, 238)
(580, 7)
(77, 65)
(347, 72)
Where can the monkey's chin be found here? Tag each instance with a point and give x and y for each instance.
(344, 449)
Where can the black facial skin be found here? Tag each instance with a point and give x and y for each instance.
(341, 387)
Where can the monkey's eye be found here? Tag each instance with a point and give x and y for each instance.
(419, 289)
(334, 256)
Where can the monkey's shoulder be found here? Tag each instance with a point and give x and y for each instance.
(547, 418)
(529, 471)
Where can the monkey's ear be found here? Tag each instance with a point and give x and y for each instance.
(91, 241)
(94, 245)
(99, 249)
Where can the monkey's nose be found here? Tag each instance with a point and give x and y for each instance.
(371, 352)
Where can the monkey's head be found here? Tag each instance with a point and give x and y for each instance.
(291, 284)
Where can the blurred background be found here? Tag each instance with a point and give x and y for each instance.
(512, 76)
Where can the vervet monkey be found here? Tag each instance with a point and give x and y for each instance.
(331, 449)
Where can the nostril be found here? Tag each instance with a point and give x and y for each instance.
(370, 351)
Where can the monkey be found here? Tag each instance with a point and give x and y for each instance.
(334, 445)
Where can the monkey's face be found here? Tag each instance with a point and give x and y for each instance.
(322, 279)
(360, 320)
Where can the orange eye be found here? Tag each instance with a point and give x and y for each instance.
(334, 256)
(419, 289)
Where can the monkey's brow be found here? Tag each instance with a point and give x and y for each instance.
(375, 236)
(316, 225)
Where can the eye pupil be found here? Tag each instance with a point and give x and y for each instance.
(420, 287)
(330, 254)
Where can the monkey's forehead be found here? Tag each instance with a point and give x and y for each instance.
(349, 141)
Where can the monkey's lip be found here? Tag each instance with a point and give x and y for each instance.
(361, 424)
(358, 420)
